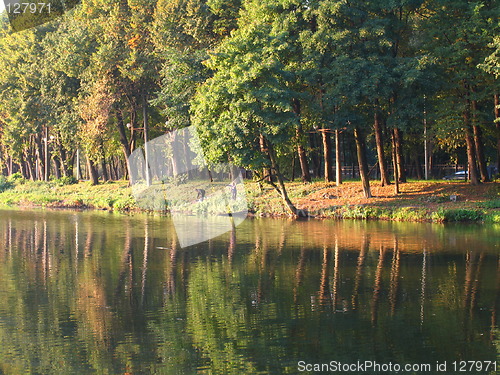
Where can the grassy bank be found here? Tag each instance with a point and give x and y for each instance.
(429, 201)
(436, 201)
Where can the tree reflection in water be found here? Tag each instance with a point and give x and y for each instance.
(89, 292)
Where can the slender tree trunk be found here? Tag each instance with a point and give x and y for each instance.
(104, 167)
(338, 160)
(94, 176)
(497, 119)
(281, 185)
(66, 161)
(304, 164)
(39, 157)
(399, 155)
(327, 155)
(124, 141)
(146, 139)
(471, 147)
(363, 164)
(478, 141)
(29, 164)
(384, 174)
(395, 161)
(418, 168)
(22, 169)
(57, 165)
(266, 172)
(481, 159)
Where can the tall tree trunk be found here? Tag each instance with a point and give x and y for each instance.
(478, 141)
(124, 141)
(471, 147)
(399, 156)
(497, 119)
(363, 164)
(94, 176)
(105, 175)
(327, 155)
(280, 188)
(384, 174)
(338, 160)
(481, 159)
(395, 161)
(418, 168)
(57, 167)
(267, 174)
(147, 160)
(29, 164)
(304, 164)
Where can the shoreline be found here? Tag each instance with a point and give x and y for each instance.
(419, 201)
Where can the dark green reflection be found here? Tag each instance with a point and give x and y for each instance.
(110, 294)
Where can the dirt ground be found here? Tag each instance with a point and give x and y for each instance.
(412, 194)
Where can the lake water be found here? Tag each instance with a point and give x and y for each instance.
(100, 293)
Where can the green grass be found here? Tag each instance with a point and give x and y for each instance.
(457, 215)
(266, 202)
(58, 193)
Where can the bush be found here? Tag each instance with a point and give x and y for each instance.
(490, 204)
(5, 183)
(16, 177)
(65, 180)
(462, 215)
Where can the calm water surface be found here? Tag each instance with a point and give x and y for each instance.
(99, 293)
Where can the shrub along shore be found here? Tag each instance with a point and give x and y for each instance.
(419, 201)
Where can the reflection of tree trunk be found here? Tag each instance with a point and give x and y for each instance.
(232, 243)
(395, 267)
(45, 253)
(77, 242)
(336, 272)
(469, 278)
(299, 272)
(496, 302)
(469, 274)
(87, 251)
(359, 271)
(377, 284)
(362, 162)
(476, 283)
(126, 257)
(423, 282)
(144, 261)
(170, 269)
(324, 288)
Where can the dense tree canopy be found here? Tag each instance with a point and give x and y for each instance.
(267, 83)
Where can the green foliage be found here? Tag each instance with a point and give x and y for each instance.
(495, 203)
(5, 184)
(457, 215)
(65, 180)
